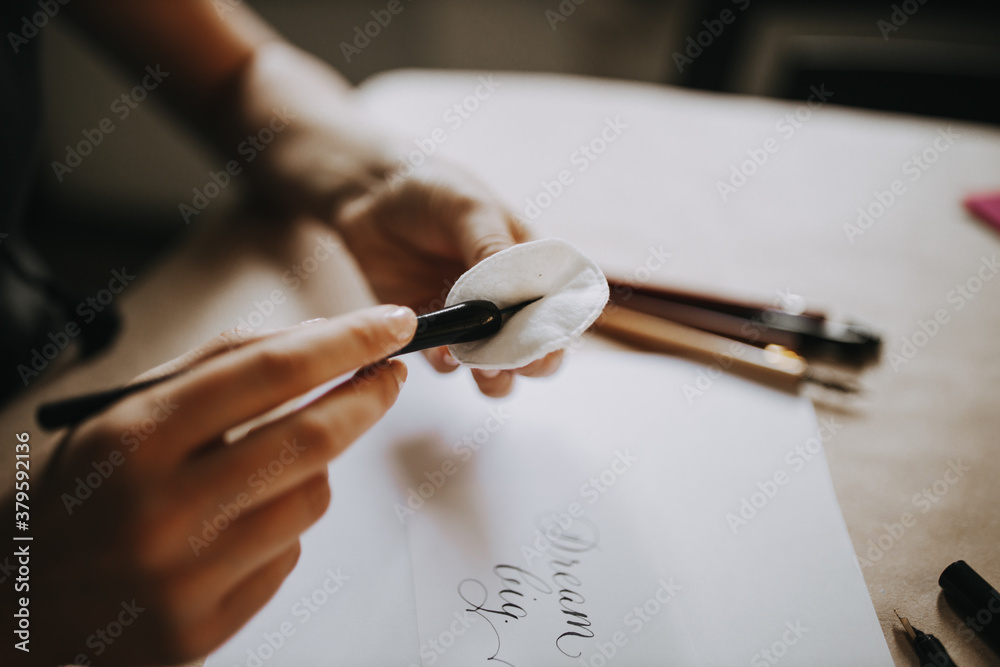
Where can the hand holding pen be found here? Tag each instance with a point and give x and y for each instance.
(149, 504)
(461, 323)
(187, 517)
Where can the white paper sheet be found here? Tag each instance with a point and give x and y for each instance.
(641, 493)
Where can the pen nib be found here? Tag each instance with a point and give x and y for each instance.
(906, 625)
(510, 310)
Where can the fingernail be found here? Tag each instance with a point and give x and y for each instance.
(449, 360)
(315, 320)
(400, 372)
(489, 373)
(402, 321)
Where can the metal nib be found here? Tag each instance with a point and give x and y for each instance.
(510, 310)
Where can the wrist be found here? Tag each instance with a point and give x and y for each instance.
(308, 145)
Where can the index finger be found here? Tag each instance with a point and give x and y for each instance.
(230, 389)
(227, 341)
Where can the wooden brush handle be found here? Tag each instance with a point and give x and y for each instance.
(652, 333)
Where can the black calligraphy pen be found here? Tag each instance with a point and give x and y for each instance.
(927, 647)
(462, 323)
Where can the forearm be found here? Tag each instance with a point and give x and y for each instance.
(323, 149)
(237, 83)
(198, 54)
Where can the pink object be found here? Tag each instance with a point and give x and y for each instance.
(987, 207)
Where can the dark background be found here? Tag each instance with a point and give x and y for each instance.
(120, 205)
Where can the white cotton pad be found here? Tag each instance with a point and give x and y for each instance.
(573, 291)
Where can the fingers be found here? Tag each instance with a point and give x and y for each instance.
(441, 359)
(247, 598)
(231, 548)
(495, 384)
(258, 537)
(286, 493)
(543, 367)
(227, 341)
(283, 454)
(519, 229)
(230, 389)
(498, 384)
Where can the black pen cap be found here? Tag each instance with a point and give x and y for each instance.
(974, 594)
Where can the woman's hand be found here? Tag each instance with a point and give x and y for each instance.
(413, 236)
(152, 526)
